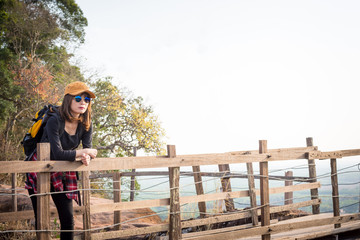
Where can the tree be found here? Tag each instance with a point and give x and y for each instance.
(34, 63)
(122, 122)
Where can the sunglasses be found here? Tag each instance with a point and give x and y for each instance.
(86, 99)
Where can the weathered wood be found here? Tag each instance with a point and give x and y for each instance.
(312, 175)
(174, 178)
(277, 228)
(130, 232)
(13, 191)
(203, 174)
(117, 198)
(264, 190)
(226, 186)
(197, 222)
(324, 155)
(252, 194)
(102, 164)
(132, 181)
(43, 187)
(199, 189)
(85, 181)
(196, 198)
(335, 190)
(279, 150)
(288, 195)
(325, 233)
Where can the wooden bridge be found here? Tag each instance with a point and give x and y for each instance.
(315, 225)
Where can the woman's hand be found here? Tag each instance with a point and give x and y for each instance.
(88, 151)
(85, 159)
(91, 151)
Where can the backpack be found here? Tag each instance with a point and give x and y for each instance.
(34, 135)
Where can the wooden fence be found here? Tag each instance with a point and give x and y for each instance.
(173, 162)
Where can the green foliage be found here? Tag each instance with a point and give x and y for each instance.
(123, 122)
(34, 63)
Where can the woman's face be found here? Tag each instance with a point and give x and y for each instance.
(79, 106)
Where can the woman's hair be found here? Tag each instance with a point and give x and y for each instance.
(65, 112)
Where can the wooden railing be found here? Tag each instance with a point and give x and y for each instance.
(44, 166)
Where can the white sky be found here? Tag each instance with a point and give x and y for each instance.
(223, 74)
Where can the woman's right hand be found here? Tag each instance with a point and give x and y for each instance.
(91, 151)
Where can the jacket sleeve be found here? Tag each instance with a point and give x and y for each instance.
(57, 152)
(87, 138)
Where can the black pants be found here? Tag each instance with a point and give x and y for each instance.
(64, 207)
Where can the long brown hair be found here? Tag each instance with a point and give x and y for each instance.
(65, 112)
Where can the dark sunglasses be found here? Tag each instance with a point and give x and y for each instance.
(86, 99)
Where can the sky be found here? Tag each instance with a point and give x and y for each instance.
(222, 75)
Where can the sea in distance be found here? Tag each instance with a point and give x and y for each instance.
(157, 187)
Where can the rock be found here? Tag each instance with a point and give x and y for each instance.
(98, 220)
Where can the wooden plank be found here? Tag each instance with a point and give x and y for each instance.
(312, 175)
(220, 230)
(279, 150)
(130, 232)
(324, 155)
(13, 191)
(117, 198)
(199, 190)
(85, 180)
(226, 186)
(174, 179)
(335, 190)
(288, 196)
(197, 198)
(350, 152)
(246, 214)
(43, 202)
(203, 174)
(264, 190)
(102, 164)
(325, 233)
(252, 194)
(193, 223)
(277, 228)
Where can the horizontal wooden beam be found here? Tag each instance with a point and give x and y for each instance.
(196, 198)
(324, 155)
(102, 164)
(197, 222)
(277, 228)
(203, 174)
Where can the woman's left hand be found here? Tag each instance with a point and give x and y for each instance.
(85, 159)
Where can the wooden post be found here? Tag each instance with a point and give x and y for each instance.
(175, 218)
(252, 194)
(226, 186)
(13, 191)
(117, 198)
(264, 190)
(199, 190)
(288, 195)
(43, 201)
(335, 190)
(85, 180)
(132, 181)
(312, 174)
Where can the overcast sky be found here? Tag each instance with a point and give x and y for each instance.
(223, 74)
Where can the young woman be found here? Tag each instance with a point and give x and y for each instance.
(64, 130)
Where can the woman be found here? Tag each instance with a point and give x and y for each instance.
(64, 130)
